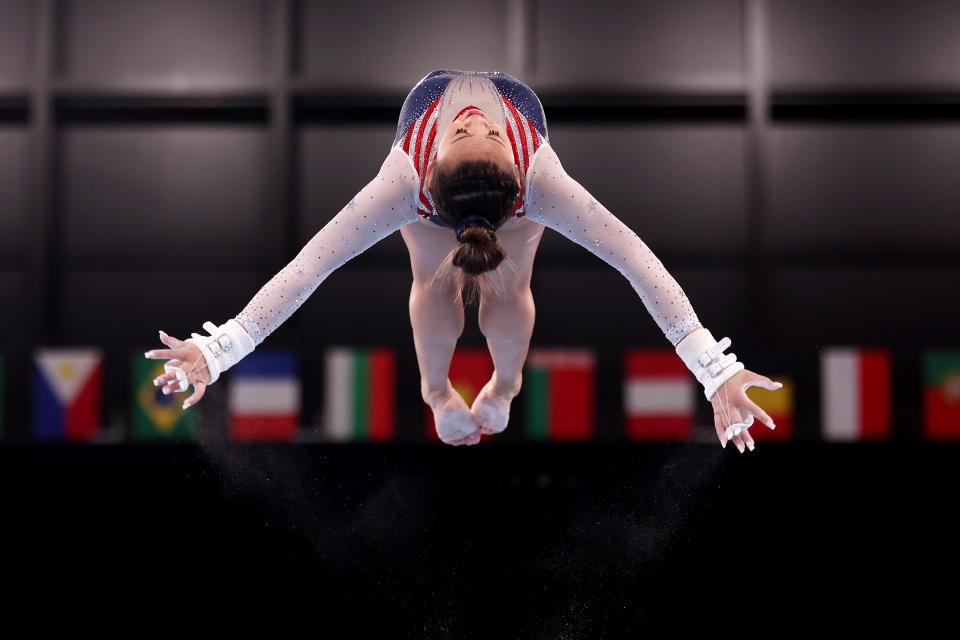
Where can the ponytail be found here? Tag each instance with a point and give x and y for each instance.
(474, 198)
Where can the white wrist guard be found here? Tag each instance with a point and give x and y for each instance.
(224, 347)
(702, 355)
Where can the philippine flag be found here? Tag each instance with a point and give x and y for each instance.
(264, 396)
(67, 393)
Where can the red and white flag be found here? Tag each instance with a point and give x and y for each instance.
(658, 395)
(855, 393)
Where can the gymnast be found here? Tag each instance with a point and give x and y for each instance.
(471, 182)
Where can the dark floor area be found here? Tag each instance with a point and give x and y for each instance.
(498, 540)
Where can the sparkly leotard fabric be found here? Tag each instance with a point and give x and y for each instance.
(395, 197)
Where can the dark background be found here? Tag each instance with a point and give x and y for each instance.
(792, 163)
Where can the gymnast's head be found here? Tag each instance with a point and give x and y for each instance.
(474, 183)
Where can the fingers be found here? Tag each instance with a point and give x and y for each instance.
(170, 341)
(721, 429)
(156, 354)
(723, 420)
(760, 413)
(738, 442)
(199, 387)
(748, 439)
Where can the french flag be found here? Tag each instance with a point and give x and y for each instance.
(264, 396)
(67, 394)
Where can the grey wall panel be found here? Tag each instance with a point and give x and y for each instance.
(158, 196)
(335, 163)
(16, 24)
(12, 311)
(14, 221)
(116, 308)
(909, 308)
(120, 39)
(681, 188)
(879, 43)
(391, 45)
(864, 189)
(618, 44)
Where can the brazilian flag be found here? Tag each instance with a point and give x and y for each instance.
(157, 416)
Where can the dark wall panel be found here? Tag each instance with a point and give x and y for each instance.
(391, 45)
(12, 309)
(618, 44)
(599, 307)
(180, 303)
(14, 222)
(123, 39)
(864, 189)
(879, 43)
(16, 24)
(681, 188)
(335, 163)
(163, 196)
(910, 308)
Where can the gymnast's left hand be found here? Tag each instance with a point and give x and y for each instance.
(188, 357)
(732, 408)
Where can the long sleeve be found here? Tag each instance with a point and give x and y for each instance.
(559, 202)
(385, 204)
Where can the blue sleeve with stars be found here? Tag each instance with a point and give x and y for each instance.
(385, 204)
(559, 202)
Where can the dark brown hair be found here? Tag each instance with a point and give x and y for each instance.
(474, 188)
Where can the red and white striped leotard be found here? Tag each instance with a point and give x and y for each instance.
(441, 96)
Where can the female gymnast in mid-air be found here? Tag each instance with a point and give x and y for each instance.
(471, 181)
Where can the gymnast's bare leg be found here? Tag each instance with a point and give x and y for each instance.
(506, 319)
(436, 315)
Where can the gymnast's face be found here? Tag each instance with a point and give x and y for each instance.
(472, 136)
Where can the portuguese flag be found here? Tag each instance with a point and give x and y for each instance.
(779, 404)
(559, 385)
(470, 369)
(360, 394)
(157, 416)
(941, 395)
(658, 395)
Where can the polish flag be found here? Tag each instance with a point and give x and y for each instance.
(855, 393)
(658, 395)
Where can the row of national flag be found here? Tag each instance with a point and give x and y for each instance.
(359, 397)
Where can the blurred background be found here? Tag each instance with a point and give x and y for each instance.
(792, 163)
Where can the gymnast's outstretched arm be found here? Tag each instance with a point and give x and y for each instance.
(556, 200)
(385, 204)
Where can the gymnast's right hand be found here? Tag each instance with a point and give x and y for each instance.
(186, 356)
